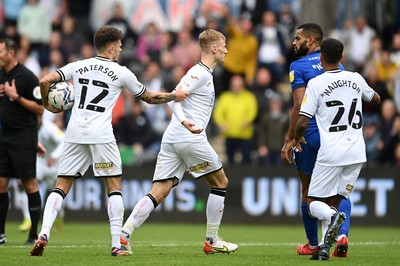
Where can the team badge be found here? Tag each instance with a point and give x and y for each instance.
(36, 93)
(291, 76)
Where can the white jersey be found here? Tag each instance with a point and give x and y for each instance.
(51, 136)
(335, 98)
(197, 107)
(98, 82)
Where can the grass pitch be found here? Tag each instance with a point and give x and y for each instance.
(181, 244)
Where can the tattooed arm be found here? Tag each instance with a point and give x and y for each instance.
(45, 83)
(153, 97)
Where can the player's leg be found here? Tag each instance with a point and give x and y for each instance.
(168, 167)
(115, 211)
(322, 192)
(4, 203)
(214, 211)
(204, 162)
(35, 206)
(342, 243)
(304, 162)
(22, 200)
(51, 209)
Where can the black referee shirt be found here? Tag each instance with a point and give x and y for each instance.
(12, 114)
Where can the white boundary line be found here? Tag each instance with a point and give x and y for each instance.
(196, 244)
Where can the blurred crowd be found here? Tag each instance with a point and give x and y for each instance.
(253, 94)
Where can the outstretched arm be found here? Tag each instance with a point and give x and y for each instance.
(153, 97)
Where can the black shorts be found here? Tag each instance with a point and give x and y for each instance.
(18, 151)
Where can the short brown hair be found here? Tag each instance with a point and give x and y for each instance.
(10, 45)
(209, 36)
(106, 35)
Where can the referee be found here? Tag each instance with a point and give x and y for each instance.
(20, 103)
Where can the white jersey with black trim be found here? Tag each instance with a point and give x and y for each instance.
(98, 82)
(335, 98)
(197, 107)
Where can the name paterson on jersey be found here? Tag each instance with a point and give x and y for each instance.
(341, 83)
(99, 68)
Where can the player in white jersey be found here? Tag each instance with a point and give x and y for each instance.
(89, 138)
(335, 98)
(51, 137)
(184, 147)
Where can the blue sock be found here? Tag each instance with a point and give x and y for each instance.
(345, 206)
(310, 225)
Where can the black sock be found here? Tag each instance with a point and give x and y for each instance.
(35, 209)
(4, 203)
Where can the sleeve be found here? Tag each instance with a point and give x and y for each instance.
(66, 71)
(367, 92)
(176, 107)
(131, 82)
(192, 81)
(296, 77)
(310, 101)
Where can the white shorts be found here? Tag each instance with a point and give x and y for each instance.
(174, 159)
(76, 158)
(328, 181)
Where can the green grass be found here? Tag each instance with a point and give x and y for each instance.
(181, 244)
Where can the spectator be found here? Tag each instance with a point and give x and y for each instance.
(372, 78)
(72, 39)
(373, 142)
(149, 44)
(34, 23)
(386, 68)
(271, 46)
(263, 88)
(360, 44)
(273, 123)
(388, 115)
(234, 114)
(391, 141)
(242, 56)
(135, 131)
(186, 51)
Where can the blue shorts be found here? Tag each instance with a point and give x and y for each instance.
(305, 160)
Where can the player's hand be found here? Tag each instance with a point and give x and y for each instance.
(2, 90)
(180, 94)
(192, 127)
(41, 150)
(297, 145)
(52, 109)
(286, 152)
(11, 90)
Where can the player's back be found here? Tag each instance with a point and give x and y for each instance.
(98, 83)
(338, 97)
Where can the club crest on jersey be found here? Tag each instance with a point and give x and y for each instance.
(291, 76)
(349, 188)
(104, 166)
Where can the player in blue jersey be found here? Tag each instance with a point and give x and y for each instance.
(306, 45)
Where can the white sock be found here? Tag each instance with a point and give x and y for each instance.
(214, 212)
(139, 214)
(323, 212)
(51, 209)
(23, 200)
(115, 212)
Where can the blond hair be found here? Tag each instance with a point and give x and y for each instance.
(210, 36)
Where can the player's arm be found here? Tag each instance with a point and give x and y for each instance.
(176, 107)
(11, 91)
(376, 99)
(153, 97)
(45, 83)
(298, 95)
(301, 127)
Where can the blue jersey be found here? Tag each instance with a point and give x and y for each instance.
(300, 73)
